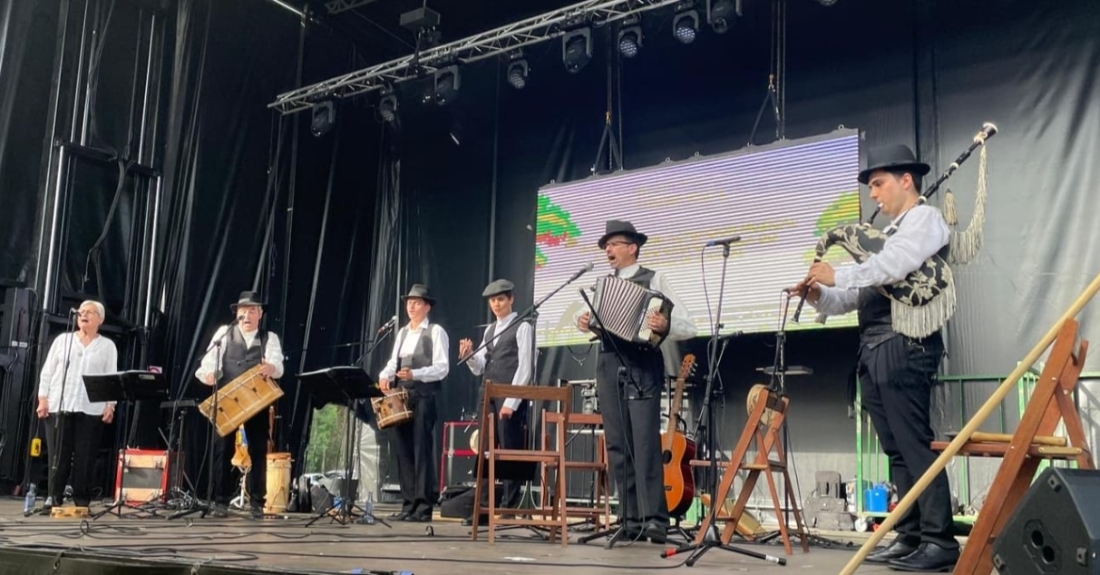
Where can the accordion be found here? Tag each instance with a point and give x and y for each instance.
(623, 306)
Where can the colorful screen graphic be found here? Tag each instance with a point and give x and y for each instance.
(780, 199)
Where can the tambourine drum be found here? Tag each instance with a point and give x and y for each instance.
(240, 399)
(392, 409)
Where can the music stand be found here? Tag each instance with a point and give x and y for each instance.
(129, 387)
(343, 385)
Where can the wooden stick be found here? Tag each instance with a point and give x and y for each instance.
(964, 435)
(1053, 441)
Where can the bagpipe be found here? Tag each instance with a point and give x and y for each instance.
(922, 302)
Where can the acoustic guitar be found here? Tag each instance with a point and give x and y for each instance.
(678, 450)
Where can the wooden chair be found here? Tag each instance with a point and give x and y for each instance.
(489, 456)
(769, 410)
(1023, 451)
(600, 513)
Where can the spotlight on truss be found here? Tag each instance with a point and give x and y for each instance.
(685, 26)
(517, 73)
(447, 83)
(721, 14)
(324, 118)
(387, 106)
(630, 41)
(576, 49)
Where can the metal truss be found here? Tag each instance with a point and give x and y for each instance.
(501, 40)
(338, 6)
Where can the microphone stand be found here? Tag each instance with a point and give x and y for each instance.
(714, 357)
(59, 430)
(625, 377)
(201, 506)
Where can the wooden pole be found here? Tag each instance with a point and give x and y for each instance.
(979, 418)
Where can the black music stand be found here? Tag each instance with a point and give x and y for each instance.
(343, 385)
(129, 387)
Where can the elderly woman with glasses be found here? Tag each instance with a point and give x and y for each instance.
(74, 425)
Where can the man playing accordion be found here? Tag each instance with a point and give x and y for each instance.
(896, 371)
(629, 380)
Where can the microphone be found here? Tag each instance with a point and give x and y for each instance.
(723, 242)
(386, 326)
(74, 311)
(587, 268)
(731, 335)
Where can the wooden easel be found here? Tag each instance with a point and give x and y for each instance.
(1051, 402)
(766, 417)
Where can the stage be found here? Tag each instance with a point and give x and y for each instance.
(31, 545)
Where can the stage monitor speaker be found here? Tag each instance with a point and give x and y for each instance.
(1055, 528)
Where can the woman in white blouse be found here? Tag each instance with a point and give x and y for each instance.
(74, 425)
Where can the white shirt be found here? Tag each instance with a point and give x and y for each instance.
(524, 336)
(921, 234)
(98, 357)
(440, 344)
(680, 325)
(272, 354)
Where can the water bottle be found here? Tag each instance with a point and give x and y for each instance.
(28, 501)
(368, 507)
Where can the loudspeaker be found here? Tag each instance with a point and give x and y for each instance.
(1055, 528)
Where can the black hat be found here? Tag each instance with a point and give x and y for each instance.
(247, 298)
(419, 291)
(498, 287)
(621, 228)
(896, 157)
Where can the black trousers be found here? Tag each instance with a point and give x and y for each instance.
(414, 446)
(630, 403)
(896, 386)
(511, 433)
(73, 439)
(256, 431)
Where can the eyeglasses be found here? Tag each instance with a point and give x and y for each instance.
(619, 243)
(85, 312)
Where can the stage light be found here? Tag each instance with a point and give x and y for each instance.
(630, 41)
(324, 118)
(447, 84)
(517, 73)
(721, 14)
(387, 106)
(826, 2)
(576, 49)
(685, 26)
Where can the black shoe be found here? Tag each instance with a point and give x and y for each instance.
(399, 515)
(656, 532)
(896, 550)
(219, 511)
(928, 558)
(257, 512)
(419, 518)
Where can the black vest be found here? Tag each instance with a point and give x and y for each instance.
(421, 357)
(502, 355)
(238, 357)
(873, 310)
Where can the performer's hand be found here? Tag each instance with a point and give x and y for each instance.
(812, 292)
(657, 322)
(582, 322)
(405, 374)
(822, 273)
(208, 379)
(465, 347)
(43, 410)
(108, 413)
(267, 370)
(506, 412)
(384, 384)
